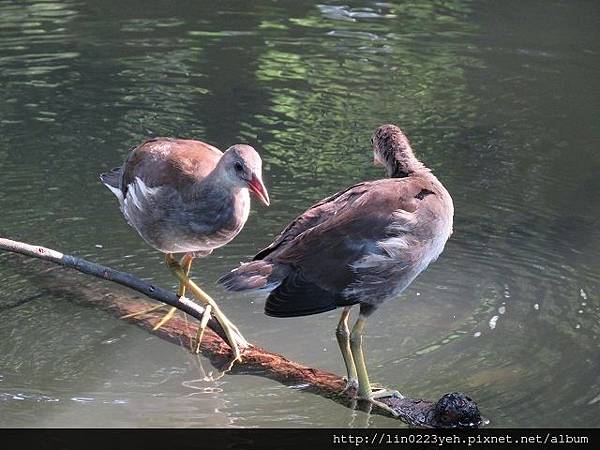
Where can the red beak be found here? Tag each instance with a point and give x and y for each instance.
(256, 185)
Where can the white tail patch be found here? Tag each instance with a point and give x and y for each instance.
(139, 197)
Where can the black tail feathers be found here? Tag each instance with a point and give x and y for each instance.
(297, 296)
(291, 294)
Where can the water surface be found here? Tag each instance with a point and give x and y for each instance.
(499, 99)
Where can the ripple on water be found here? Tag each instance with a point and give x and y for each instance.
(509, 314)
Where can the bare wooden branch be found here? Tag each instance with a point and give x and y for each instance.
(110, 274)
(452, 410)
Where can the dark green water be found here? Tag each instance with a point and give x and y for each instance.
(499, 98)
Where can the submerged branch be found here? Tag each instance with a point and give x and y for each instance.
(452, 410)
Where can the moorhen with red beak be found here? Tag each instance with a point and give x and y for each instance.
(363, 245)
(186, 196)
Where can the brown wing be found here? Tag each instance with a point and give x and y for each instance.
(351, 231)
(313, 216)
(168, 161)
(329, 237)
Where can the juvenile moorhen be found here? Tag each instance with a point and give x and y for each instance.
(186, 196)
(363, 245)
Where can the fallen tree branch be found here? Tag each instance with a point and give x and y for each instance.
(116, 276)
(452, 410)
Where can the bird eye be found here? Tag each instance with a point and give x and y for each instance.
(238, 166)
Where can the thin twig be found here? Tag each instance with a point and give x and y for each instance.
(107, 273)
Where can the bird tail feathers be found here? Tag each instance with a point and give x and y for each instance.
(255, 275)
(112, 180)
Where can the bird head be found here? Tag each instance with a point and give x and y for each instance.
(390, 147)
(243, 167)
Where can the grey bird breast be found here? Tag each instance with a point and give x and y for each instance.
(172, 224)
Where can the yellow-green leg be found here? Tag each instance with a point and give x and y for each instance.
(202, 327)
(145, 311)
(186, 265)
(234, 337)
(342, 333)
(364, 386)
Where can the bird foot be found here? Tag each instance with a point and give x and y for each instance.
(235, 340)
(383, 406)
(373, 397)
(237, 353)
(142, 312)
(383, 393)
(168, 316)
(201, 328)
(234, 343)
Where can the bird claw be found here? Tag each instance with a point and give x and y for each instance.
(233, 336)
(383, 393)
(165, 319)
(235, 349)
(233, 344)
(382, 405)
(144, 311)
(201, 328)
(373, 397)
